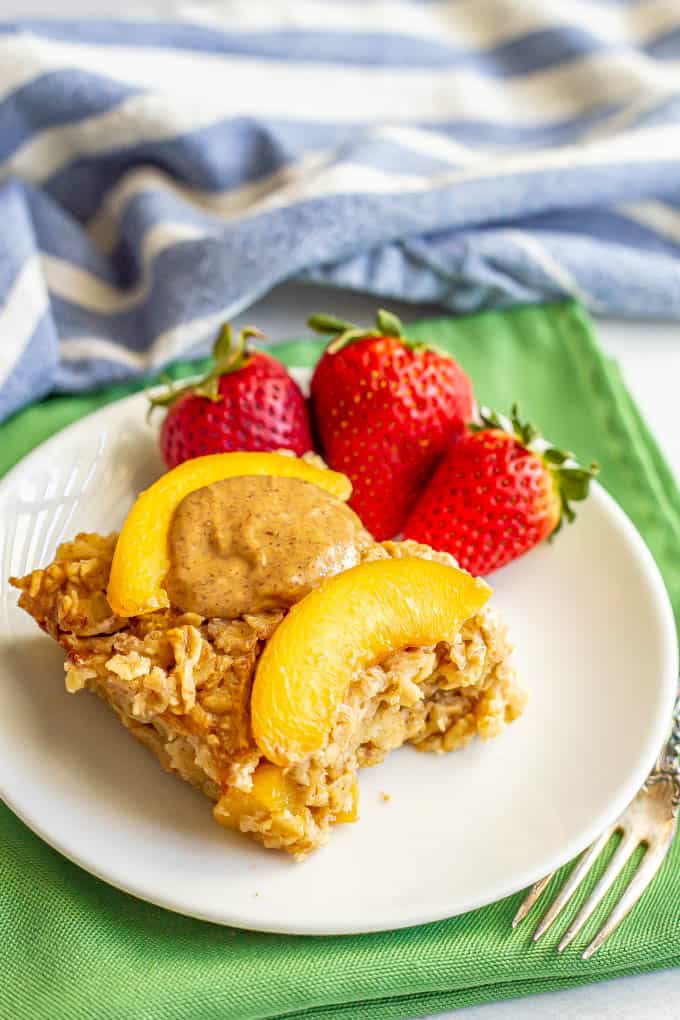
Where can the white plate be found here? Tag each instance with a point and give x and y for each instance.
(595, 644)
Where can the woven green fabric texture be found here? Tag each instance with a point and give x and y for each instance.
(72, 948)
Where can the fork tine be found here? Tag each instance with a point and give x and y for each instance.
(533, 894)
(649, 866)
(574, 880)
(623, 851)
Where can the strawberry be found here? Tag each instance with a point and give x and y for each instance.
(385, 408)
(247, 401)
(498, 492)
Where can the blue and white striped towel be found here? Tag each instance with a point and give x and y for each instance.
(158, 176)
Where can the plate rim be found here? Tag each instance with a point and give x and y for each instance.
(669, 657)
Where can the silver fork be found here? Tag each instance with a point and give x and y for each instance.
(650, 820)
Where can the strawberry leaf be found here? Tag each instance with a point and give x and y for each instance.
(223, 343)
(346, 338)
(525, 431)
(388, 323)
(574, 482)
(571, 480)
(331, 324)
(489, 420)
(555, 456)
(251, 331)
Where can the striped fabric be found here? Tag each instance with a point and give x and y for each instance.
(160, 175)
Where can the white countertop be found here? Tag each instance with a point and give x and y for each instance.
(649, 356)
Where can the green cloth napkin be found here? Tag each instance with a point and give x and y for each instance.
(72, 947)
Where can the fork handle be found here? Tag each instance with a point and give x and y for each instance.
(667, 766)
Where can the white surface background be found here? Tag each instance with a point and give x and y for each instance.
(649, 354)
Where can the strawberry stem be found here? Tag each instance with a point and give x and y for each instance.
(386, 324)
(227, 357)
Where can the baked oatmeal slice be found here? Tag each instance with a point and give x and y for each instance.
(182, 683)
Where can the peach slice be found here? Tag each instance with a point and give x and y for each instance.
(350, 622)
(141, 562)
(273, 793)
(352, 815)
